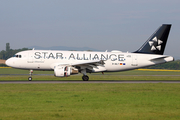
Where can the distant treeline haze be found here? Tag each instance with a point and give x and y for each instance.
(175, 65)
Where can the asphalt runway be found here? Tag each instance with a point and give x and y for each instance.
(94, 81)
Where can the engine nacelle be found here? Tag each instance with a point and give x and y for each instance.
(64, 71)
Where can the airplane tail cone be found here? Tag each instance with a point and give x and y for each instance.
(157, 42)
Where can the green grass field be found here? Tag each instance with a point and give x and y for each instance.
(85, 101)
(126, 75)
(90, 101)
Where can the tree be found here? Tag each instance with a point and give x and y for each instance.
(7, 46)
(9, 52)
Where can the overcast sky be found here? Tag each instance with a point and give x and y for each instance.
(101, 24)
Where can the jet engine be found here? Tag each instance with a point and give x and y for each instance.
(64, 71)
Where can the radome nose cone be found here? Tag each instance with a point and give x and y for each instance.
(7, 62)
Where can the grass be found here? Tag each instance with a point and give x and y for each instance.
(89, 101)
(126, 75)
(92, 77)
(159, 101)
(19, 71)
(8, 70)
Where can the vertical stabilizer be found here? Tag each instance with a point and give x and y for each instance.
(157, 42)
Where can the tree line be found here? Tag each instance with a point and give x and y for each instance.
(175, 65)
(5, 54)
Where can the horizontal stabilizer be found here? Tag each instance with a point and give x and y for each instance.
(158, 58)
(164, 58)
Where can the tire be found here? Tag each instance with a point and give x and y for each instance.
(30, 78)
(85, 78)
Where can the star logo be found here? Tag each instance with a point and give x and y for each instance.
(155, 44)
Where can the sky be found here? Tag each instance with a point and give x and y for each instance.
(100, 24)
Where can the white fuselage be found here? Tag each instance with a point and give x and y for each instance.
(113, 61)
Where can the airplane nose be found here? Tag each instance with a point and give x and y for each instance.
(9, 62)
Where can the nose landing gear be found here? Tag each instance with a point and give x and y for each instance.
(30, 73)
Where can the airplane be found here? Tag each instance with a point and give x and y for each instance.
(66, 63)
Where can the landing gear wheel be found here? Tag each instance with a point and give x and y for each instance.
(30, 73)
(30, 78)
(85, 78)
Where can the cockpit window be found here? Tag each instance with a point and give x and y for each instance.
(17, 56)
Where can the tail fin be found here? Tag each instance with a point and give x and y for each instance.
(157, 42)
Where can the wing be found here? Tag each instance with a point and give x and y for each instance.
(89, 66)
(96, 62)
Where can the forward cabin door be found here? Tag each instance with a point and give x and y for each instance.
(30, 58)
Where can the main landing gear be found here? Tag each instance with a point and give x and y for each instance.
(30, 73)
(85, 78)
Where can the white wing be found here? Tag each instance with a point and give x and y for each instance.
(90, 66)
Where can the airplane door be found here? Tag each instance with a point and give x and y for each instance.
(30, 58)
(134, 60)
